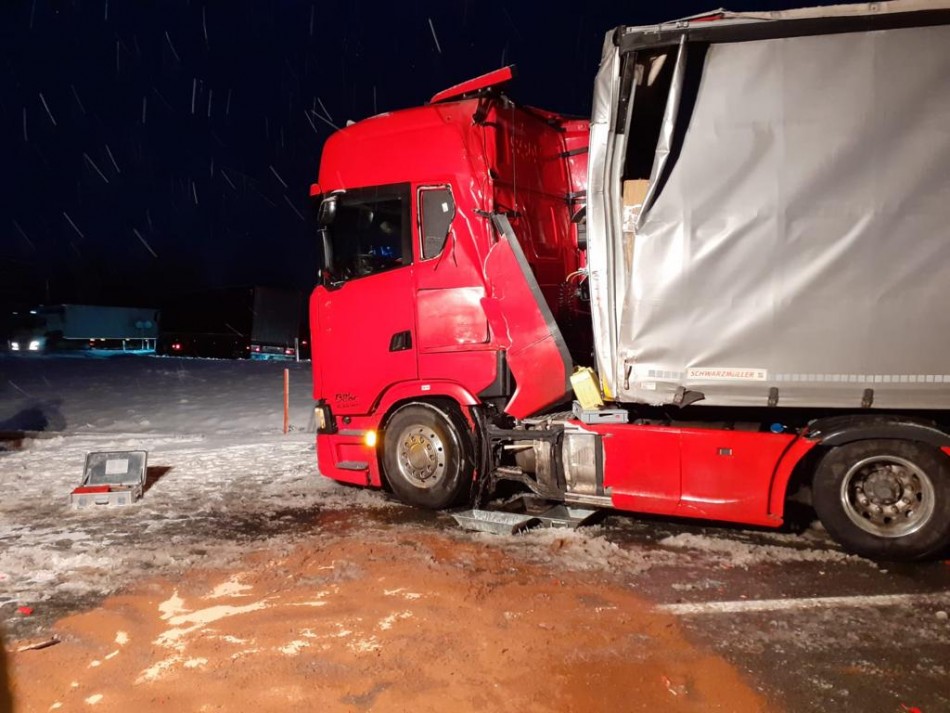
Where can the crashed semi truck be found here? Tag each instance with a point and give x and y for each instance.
(748, 242)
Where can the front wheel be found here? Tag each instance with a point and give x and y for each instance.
(427, 456)
(885, 499)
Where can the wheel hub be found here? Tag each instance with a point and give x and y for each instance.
(887, 496)
(421, 456)
(882, 487)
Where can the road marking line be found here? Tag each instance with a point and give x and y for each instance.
(760, 605)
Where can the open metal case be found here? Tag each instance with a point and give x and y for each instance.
(113, 478)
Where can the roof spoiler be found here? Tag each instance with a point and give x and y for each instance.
(492, 80)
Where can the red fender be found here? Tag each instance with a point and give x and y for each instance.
(783, 473)
(424, 390)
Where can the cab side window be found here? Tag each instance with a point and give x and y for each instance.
(436, 211)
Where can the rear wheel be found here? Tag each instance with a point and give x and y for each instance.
(885, 499)
(427, 456)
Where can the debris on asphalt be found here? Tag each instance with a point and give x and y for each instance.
(45, 644)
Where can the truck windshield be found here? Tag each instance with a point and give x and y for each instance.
(26, 322)
(369, 232)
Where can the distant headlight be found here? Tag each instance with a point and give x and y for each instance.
(34, 345)
(14, 346)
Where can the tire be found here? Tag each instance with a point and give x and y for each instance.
(885, 499)
(427, 456)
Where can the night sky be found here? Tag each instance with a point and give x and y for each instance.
(153, 148)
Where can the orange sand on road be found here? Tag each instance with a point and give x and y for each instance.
(425, 623)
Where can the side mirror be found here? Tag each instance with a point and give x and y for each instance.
(327, 211)
(327, 249)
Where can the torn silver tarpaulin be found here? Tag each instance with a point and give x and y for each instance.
(796, 248)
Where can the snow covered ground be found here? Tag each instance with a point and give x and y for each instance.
(149, 395)
(221, 471)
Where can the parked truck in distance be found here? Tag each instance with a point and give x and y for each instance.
(259, 323)
(747, 243)
(83, 327)
(275, 327)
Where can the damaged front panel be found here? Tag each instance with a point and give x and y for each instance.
(793, 248)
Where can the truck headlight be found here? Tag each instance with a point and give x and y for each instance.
(34, 345)
(14, 346)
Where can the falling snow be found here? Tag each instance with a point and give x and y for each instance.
(46, 106)
(123, 106)
(144, 242)
(174, 52)
(74, 226)
(434, 36)
(112, 158)
(277, 175)
(93, 164)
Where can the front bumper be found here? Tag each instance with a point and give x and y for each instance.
(343, 450)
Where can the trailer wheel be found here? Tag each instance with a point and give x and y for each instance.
(427, 456)
(885, 499)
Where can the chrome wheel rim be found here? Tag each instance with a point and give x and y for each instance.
(887, 496)
(421, 456)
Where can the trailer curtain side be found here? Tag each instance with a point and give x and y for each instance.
(793, 247)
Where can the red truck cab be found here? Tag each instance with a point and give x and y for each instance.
(423, 296)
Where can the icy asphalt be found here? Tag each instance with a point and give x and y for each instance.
(814, 629)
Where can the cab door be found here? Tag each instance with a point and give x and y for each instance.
(453, 339)
(363, 315)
